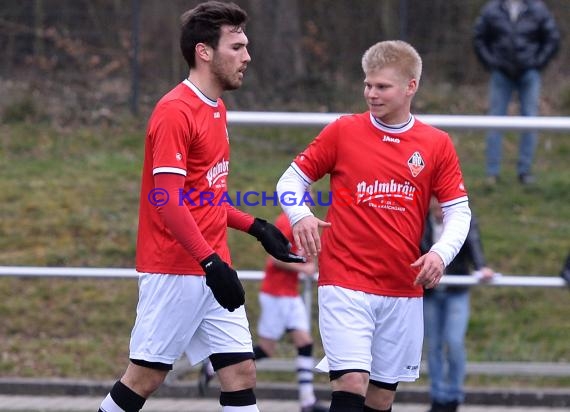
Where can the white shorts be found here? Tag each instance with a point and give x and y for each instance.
(179, 314)
(380, 334)
(280, 314)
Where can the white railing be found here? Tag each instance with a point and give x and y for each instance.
(552, 123)
(463, 280)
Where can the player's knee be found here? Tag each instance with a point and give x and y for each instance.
(350, 380)
(380, 395)
(236, 371)
(144, 380)
(301, 338)
(238, 376)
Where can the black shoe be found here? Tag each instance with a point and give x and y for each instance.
(451, 406)
(444, 407)
(315, 407)
(437, 407)
(526, 179)
(204, 378)
(566, 270)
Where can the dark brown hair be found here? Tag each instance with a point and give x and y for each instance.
(203, 23)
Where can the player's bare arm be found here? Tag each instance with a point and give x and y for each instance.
(306, 234)
(431, 270)
(308, 268)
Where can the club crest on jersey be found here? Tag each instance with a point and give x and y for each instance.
(416, 164)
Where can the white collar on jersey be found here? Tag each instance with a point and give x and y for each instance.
(393, 128)
(201, 95)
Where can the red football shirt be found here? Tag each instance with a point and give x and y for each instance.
(278, 281)
(187, 135)
(381, 180)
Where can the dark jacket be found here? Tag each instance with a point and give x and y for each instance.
(470, 255)
(530, 42)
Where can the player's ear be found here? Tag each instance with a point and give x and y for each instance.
(412, 87)
(203, 51)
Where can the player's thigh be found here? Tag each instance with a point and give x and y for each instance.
(272, 318)
(346, 326)
(169, 312)
(398, 339)
(220, 331)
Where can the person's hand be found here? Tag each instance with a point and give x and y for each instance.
(308, 268)
(224, 282)
(306, 235)
(486, 274)
(273, 241)
(431, 270)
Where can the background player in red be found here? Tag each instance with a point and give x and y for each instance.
(282, 310)
(387, 165)
(190, 298)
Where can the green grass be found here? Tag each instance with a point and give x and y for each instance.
(70, 198)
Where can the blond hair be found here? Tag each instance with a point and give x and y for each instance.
(393, 53)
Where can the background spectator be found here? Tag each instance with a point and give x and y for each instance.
(515, 40)
(446, 315)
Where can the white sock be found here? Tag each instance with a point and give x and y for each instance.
(109, 405)
(305, 365)
(248, 408)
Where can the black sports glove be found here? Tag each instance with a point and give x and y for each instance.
(224, 282)
(273, 241)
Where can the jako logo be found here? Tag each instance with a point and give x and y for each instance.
(390, 139)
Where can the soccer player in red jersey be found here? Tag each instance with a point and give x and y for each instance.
(386, 164)
(190, 298)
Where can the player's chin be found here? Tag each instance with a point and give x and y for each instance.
(376, 111)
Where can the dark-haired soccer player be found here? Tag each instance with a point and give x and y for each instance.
(190, 298)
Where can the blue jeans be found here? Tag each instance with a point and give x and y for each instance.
(501, 88)
(446, 315)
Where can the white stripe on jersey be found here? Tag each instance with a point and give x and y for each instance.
(175, 170)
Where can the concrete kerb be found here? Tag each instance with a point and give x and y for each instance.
(546, 397)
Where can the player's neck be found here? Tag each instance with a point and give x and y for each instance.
(393, 120)
(205, 83)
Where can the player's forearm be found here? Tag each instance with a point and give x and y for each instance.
(456, 223)
(291, 187)
(238, 219)
(295, 267)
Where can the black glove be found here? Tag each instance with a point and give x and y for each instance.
(224, 282)
(273, 241)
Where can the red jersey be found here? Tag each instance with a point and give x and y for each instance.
(278, 281)
(381, 180)
(186, 135)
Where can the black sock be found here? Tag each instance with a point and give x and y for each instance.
(346, 402)
(369, 409)
(126, 398)
(244, 397)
